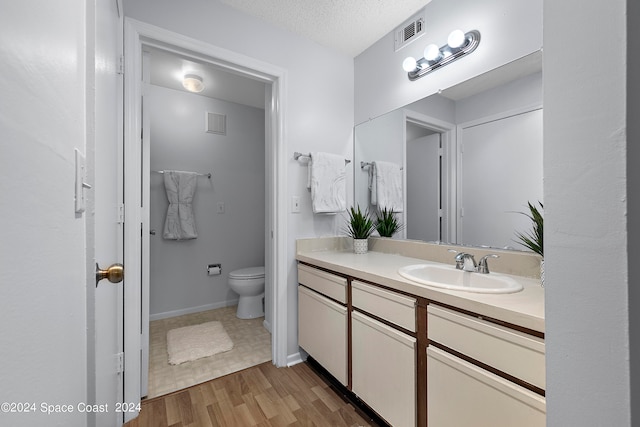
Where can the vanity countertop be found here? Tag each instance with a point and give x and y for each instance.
(524, 308)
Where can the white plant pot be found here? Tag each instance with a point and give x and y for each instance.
(360, 246)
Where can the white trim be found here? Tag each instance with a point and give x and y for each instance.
(448, 132)
(191, 310)
(136, 34)
(499, 116)
(294, 359)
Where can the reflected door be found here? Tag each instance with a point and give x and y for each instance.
(423, 217)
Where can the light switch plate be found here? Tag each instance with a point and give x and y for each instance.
(295, 204)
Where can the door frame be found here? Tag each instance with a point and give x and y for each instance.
(136, 35)
(448, 132)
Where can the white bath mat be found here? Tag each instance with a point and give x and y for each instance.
(197, 341)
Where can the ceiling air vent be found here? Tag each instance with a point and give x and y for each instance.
(409, 31)
(216, 123)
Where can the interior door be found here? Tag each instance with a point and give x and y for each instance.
(423, 211)
(108, 229)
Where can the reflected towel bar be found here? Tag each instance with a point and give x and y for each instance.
(208, 175)
(368, 164)
(297, 155)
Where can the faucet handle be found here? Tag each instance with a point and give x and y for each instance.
(459, 258)
(483, 267)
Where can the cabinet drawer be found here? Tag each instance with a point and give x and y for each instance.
(322, 331)
(383, 369)
(462, 394)
(387, 305)
(510, 351)
(325, 283)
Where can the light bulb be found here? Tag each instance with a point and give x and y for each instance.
(409, 64)
(431, 52)
(456, 39)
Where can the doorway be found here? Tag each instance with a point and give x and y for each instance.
(218, 133)
(137, 35)
(429, 177)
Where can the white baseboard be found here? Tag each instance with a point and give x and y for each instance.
(192, 310)
(294, 359)
(266, 325)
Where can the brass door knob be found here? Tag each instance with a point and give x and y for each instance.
(114, 273)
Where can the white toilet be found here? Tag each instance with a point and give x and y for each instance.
(248, 283)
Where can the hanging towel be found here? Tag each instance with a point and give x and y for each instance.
(386, 186)
(327, 183)
(180, 223)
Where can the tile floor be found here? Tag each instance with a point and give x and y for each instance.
(252, 346)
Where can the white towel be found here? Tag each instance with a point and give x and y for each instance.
(386, 186)
(328, 188)
(180, 223)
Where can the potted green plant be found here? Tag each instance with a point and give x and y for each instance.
(386, 223)
(533, 239)
(359, 227)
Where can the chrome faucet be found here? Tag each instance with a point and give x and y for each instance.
(483, 267)
(466, 262)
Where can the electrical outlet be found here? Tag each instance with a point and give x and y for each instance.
(295, 204)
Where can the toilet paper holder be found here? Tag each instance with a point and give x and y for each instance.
(214, 269)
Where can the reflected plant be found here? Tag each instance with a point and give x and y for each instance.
(387, 224)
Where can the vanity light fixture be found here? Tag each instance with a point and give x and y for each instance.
(458, 45)
(193, 83)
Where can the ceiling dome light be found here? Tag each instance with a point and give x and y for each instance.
(193, 83)
(456, 39)
(409, 64)
(432, 52)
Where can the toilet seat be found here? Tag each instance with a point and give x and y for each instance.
(247, 273)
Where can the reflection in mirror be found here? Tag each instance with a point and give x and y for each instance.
(471, 157)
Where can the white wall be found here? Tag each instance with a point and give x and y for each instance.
(235, 238)
(586, 217)
(509, 30)
(319, 100)
(46, 62)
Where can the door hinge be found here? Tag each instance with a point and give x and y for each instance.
(120, 362)
(440, 151)
(120, 213)
(120, 64)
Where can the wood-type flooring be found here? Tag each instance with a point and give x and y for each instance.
(262, 395)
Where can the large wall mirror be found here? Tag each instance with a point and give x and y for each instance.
(470, 157)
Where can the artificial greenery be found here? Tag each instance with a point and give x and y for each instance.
(360, 225)
(533, 239)
(387, 224)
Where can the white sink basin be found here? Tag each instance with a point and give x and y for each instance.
(448, 277)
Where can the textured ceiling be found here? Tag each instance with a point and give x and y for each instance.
(350, 26)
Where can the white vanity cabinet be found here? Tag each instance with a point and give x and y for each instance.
(322, 319)
(384, 357)
(462, 392)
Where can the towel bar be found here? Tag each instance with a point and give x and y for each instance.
(297, 155)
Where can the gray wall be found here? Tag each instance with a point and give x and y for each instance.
(235, 238)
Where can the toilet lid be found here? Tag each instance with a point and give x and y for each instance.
(247, 273)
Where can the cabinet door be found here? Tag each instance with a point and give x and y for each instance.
(384, 369)
(322, 331)
(462, 394)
